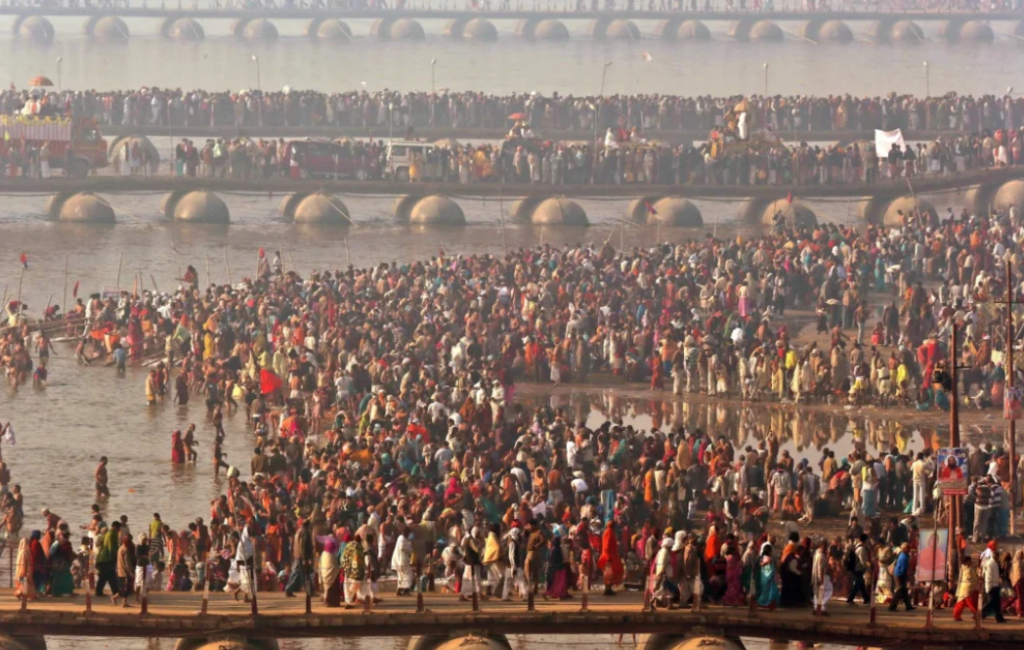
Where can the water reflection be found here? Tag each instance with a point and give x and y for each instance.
(802, 432)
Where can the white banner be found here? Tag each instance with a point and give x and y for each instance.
(884, 141)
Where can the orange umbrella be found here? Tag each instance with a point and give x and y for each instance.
(40, 82)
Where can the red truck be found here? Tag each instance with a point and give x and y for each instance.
(81, 136)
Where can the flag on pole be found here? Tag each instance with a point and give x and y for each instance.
(262, 254)
(24, 260)
(789, 198)
(74, 292)
(647, 56)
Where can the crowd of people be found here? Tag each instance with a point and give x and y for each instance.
(389, 444)
(476, 110)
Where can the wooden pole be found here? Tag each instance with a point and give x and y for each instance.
(1009, 384)
(21, 281)
(501, 213)
(227, 265)
(954, 507)
(64, 299)
(348, 253)
(929, 622)
(585, 597)
(117, 285)
(208, 276)
(420, 609)
(204, 608)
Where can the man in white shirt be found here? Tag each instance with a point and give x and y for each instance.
(920, 473)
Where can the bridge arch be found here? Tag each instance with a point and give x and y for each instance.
(677, 29)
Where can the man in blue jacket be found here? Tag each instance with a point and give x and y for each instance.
(902, 575)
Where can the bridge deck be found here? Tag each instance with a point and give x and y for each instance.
(175, 615)
(447, 14)
(158, 184)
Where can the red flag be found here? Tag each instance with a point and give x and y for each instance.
(650, 208)
(261, 252)
(24, 260)
(74, 292)
(789, 198)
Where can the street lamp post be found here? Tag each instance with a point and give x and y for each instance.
(597, 116)
(766, 95)
(259, 89)
(391, 138)
(59, 86)
(433, 93)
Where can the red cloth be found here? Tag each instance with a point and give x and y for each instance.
(269, 382)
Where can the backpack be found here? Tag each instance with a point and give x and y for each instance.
(850, 561)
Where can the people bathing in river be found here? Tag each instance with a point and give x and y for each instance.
(420, 434)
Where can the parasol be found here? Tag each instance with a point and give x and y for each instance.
(517, 116)
(40, 82)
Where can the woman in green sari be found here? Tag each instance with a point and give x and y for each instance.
(768, 587)
(62, 554)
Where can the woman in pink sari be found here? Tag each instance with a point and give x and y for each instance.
(734, 596)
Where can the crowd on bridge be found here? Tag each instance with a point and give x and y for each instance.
(456, 110)
(390, 446)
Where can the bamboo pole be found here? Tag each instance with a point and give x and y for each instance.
(117, 285)
(64, 298)
(227, 265)
(208, 276)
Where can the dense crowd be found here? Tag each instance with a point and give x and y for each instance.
(476, 110)
(389, 444)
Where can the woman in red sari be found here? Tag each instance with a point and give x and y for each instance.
(177, 449)
(610, 562)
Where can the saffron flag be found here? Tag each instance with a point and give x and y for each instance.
(262, 254)
(24, 260)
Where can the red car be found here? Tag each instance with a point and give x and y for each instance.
(325, 159)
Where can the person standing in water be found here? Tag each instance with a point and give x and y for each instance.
(102, 489)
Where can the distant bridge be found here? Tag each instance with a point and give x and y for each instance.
(181, 23)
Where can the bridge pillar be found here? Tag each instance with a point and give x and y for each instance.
(672, 211)
(397, 29)
(677, 29)
(617, 29)
(182, 29)
(752, 29)
(315, 207)
(966, 31)
(197, 206)
(106, 29)
(674, 642)
(821, 30)
(254, 29)
(553, 211)
(432, 210)
(471, 29)
(8, 642)
(78, 207)
(468, 642)
(762, 211)
(35, 29)
(546, 29)
(886, 212)
(226, 643)
(891, 30)
(329, 29)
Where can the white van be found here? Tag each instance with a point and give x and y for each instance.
(399, 155)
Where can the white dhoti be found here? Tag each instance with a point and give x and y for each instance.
(514, 576)
(469, 585)
(405, 577)
(823, 593)
(354, 589)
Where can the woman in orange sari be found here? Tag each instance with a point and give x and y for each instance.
(610, 563)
